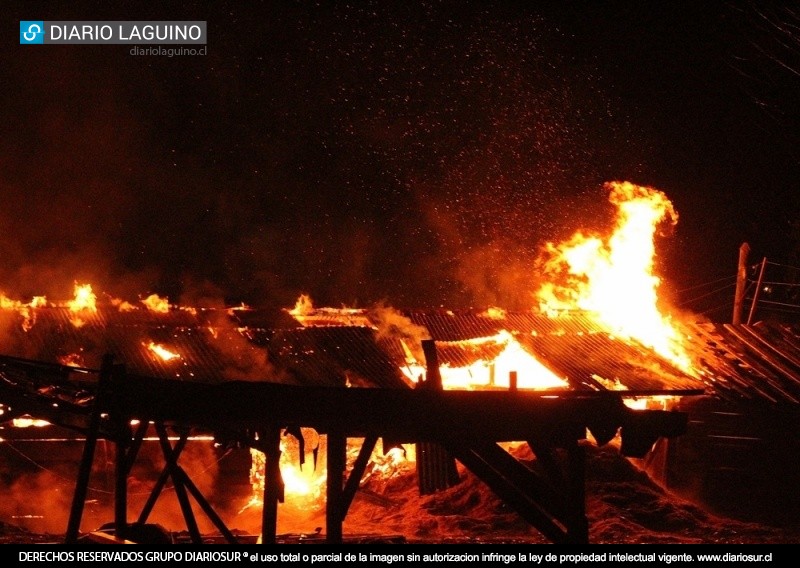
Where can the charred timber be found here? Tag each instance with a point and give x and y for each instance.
(406, 415)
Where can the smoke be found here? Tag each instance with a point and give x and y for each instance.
(391, 324)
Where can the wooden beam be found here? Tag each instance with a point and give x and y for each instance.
(334, 511)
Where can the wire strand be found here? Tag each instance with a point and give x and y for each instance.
(707, 294)
(733, 277)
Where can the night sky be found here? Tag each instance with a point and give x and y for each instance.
(411, 154)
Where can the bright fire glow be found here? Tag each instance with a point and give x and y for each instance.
(28, 422)
(614, 277)
(122, 305)
(303, 306)
(85, 301)
(495, 372)
(72, 360)
(26, 310)
(306, 485)
(496, 313)
(156, 303)
(161, 352)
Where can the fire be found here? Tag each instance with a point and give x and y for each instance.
(305, 485)
(493, 312)
(491, 372)
(161, 352)
(72, 360)
(156, 303)
(613, 277)
(85, 301)
(123, 305)
(303, 306)
(28, 421)
(26, 310)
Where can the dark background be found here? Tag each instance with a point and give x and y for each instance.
(415, 154)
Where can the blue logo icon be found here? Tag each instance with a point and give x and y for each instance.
(31, 32)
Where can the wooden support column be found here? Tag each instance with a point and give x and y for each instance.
(360, 465)
(273, 483)
(85, 469)
(121, 488)
(577, 522)
(436, 469)
(334, 514)
(175, 473)
(162, 480)
(741, 284)
(120, 426)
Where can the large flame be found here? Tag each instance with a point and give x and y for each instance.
(304, 485)
(613, 277)
(84, 302)
(303, 306)
(26, 310)
(490, 372)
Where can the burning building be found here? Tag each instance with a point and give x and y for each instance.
(596, 362)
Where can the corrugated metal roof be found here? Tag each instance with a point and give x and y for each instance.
(337, 355)
(572, 345)
(207, 346)
(759, 362)
(743, 362)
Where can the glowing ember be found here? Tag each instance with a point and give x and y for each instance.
(240, 308)
(656, 402)
(494, 371)
(156, 303)
(28, 422)
(161, 352)
(495, 313)
(122, 305)
(84, 302)
(613, 277)
(72, 360)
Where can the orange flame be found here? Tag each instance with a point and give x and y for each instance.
(303, 306)
(27, 311)
(306, 485)
(122, 305)
(156, 303)
(495, 313)
(494, 372)
(161, 352)
(28, 421)
(72, 360)
(85, 301)
(613, 277)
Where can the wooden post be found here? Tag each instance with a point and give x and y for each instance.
(334, 513)
(758, 289)
(578, 525)
(121, 426)
(436, 469)
(273, 483)
(512, 381)
(433, 378)
(741, 282)
(85, 469)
